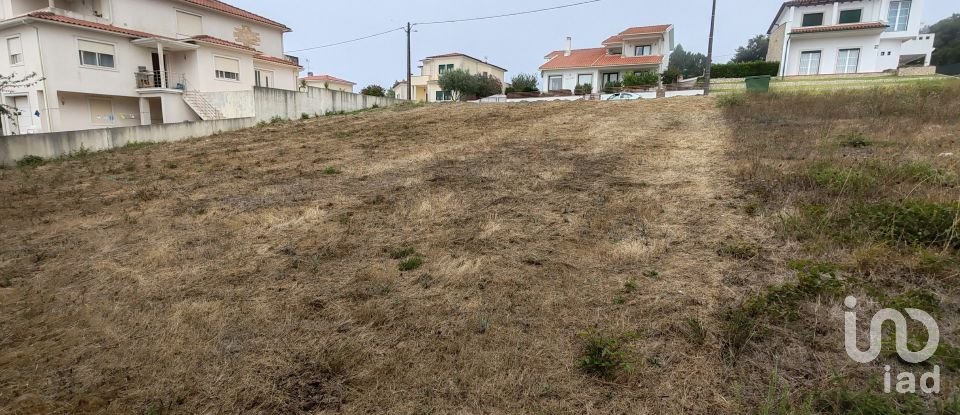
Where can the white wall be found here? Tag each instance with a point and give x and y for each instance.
(159, 17)
(829, 50)
(75, 111)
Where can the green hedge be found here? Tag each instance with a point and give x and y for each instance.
(743, 70)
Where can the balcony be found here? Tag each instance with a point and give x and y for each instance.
(154, 80)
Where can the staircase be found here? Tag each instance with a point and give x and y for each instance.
(200, 105)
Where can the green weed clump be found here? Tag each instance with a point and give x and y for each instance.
(411, 263)
(605, 354)
(854, 139)
(911, 222)
(31, 161)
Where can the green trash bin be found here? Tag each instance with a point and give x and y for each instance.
(758, 83)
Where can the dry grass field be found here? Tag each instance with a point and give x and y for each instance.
(581, 258)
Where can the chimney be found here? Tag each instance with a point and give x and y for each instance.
(569, 47)
(309, 73)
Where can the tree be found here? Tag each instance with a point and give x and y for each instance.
(459, 82)
(373, 91)
(756, 50)
(947, 42)
(689, 64)
(463, 85)
(486, 86)
(13, 82)
(524, 83)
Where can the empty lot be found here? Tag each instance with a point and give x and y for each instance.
(439, 259)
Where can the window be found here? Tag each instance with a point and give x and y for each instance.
(101, 111)
(611, 77)
(96, 54)
(189, 24)
(584, 79)
(15, 49)
(615, 51)
(555, 83)
(899, 16)
(813, 19)
(263, 78)
(445, 68)
(848, 60)
(226, 68)
(810, 63)
(444, 95)
(644, 50)
(850, 16)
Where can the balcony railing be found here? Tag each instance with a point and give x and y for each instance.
(160, 79)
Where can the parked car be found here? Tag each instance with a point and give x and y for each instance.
(623, 96)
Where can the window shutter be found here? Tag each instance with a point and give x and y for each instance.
(97, 47)
(226, 64)
(14, 46)
(189, 24)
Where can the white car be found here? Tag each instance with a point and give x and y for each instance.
(623, 96)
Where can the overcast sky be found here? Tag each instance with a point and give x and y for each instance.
(516, 43)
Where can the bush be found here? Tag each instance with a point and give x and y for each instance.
(373, 91)
(612, 87)
(583, 89)
(743, 70)
(524, 83)
(671, 76)
(642, 79)
(486, 86)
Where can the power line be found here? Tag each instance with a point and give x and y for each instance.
(348, 41)
(508, 14)
(471, 19)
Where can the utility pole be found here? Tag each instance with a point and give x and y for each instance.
(706, 76)
(409, 69)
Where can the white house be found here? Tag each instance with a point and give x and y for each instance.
(645, 48)
(426, 86)
(811, 37)
(113, 63)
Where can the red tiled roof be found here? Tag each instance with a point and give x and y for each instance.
(634, 31)
(840, 27)
(221, 42)
(327, 78)
(93, 25)
(236, 11)
(597, 57)
(454, 54)
(280, 61)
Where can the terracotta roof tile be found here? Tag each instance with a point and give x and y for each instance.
(327, 78)
(221, 42)
(634, 31)
(93, 25)
(280, 61)
(236, 11)
(839, 27)
(596, 58)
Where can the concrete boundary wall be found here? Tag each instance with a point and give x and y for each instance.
(249, 108)
(53, 145)
(313, 101)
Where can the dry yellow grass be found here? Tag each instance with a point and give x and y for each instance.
(234, 274)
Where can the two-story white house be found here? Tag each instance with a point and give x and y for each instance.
(813, 37)
(644, 48)
(426, 86)
(114, 63)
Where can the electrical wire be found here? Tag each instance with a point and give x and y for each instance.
(471, 19)
(348, 41)
(508, 14)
